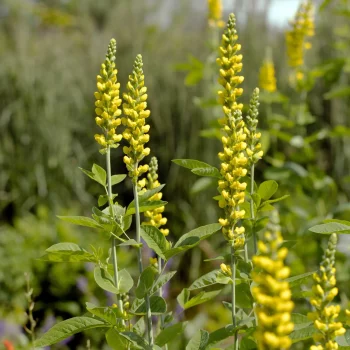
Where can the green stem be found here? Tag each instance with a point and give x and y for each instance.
(161, 317)
(233, 290)
(114, 242)
(139, 256)
(252, 205)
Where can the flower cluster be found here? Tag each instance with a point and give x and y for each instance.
(107, 100)
(215, 13)
(324, 291)
(233, 159)
(154, 216)
(267, 78)
(296, 38)
(136, 132)
(253, 149)
(272, 293)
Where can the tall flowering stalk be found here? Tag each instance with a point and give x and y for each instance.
(324, 291)
(215, 14)
(267, 77)
(108, 119)
(136, 134)
(253, 149)
(233, 159)
(272, 293)
(155, 218)
(302, 28)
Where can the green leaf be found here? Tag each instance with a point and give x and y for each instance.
(65, 329)
(125, 281)
(191, 163)
(267, 189)
(183, 297)
(331, 227)
(103, 199)
(299, 279)
(107, 313)
(130, 242)
(199, 341)
(170, 333)
(115, 340)
(210, 279)
(145, 206)
(161, 281)
(81, 221)
(137, 341)
(191, 239)
(157, 304)
(116, 179)
(201, 298)
(150, 193)
(88, 173)
(105, 280)
(99, 174)
(303, 334)
(337, 92)
(210, 171)
(220, 335)
(270, 201)
(154, 239)
(201, 232)
(300, 321)
(140, 327)
(145, 282)
(68, 252)
(244, 298)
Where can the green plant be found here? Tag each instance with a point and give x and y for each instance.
(256, 279)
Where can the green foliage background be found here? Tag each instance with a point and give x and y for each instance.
(50, 53)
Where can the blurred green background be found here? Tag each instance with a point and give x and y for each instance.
(50, 54)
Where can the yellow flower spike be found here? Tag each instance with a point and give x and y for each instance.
(253, 137)
(296, 37)
(267, 78)
(108, 101)
(324, 291)
(272, 294)
(134, 108)
(154, 217)
(215, 14)
(233, 160)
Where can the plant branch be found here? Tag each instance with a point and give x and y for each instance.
(139, 256)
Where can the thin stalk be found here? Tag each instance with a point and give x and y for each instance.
(139, 256)
(252, 204)
(233, 290)
(161, 317)
(114, 241)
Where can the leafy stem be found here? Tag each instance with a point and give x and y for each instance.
(139, 256)
(114, 241)
(252, 206)
(233, 290)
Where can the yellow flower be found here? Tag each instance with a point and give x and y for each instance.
(215, 13)
(108, 101)
(272, 294)
(233, 159)
(226, 270)
(324, 291)
(296, 37)
(267, 78)
(155, 217)
(136, 132)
